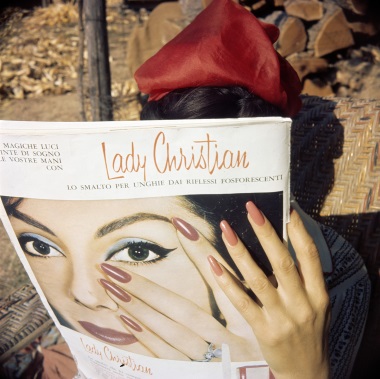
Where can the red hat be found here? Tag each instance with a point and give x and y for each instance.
(225, 45)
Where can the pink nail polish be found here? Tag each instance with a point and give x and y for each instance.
(255, 214)
(132, 324)
(186, 229)
(229, 233)
(116, 273)
(215, 266)
(115, 290)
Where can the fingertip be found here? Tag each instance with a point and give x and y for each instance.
(255, 214)
(185, 229)
(215, 266)
(295, 220)
(229, 233)
(132, 324)
(115, 273)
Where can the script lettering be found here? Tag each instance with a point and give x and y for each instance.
(122, 163)
(204, 155)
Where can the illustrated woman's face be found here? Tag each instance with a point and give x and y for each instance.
(66, 241)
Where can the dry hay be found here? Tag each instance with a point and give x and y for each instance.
(54, 15)
(40, 56)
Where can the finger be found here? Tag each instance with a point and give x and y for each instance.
(283, 265)
(197, 247)
(175, 307)
(309, 264)
(182, 316)
(248, 308)
(196, 244)
(254, 277)
(169, 331)
(154, 343)
(172, 305)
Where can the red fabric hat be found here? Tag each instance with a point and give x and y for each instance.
(225, 45)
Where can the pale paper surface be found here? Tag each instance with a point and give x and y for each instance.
(129, 160)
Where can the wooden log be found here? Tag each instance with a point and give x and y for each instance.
(364, 27)
(81, 49)
(99, 72)
(357, 6)
(305, 63)
(315, 88)
(368, 29)
(293, 36)
(331, 33)
(308, 10)
(259, 5)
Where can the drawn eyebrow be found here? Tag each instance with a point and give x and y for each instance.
(108, 228)
(31, 221)
(125, 221)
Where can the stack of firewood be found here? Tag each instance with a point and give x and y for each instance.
(315, 33)
(38, 53)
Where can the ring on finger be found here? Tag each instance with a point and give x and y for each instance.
(211, 353)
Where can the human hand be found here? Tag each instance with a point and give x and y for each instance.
(290, 319)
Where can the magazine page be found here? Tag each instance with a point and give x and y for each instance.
(113, 222)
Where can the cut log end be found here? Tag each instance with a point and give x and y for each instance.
(308, 10)
(330, 34)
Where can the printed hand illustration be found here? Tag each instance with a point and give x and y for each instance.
(169, 325)
(172, 326)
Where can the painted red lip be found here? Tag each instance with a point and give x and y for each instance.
(108, 335)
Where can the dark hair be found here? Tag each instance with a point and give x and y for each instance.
(208, 102)
(231, 207)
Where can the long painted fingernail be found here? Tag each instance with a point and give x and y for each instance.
(115, 290)
(132, 324)
(255, 214)
(186, 229)
(116, 273)
(229, 233)
(215, 266)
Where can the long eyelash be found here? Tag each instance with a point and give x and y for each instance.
(163, 252)
(24, 238)
(153, 261)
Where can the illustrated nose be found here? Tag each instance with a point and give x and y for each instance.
(86, 289)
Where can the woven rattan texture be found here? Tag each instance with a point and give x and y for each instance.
(336, 169)
(22, 318)
(336, 179)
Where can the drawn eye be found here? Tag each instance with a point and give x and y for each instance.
(136, 251)
(38, 246)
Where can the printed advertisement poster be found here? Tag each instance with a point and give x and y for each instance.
(114, 221)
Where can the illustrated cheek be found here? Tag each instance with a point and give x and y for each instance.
(45, 268)
(51, 276)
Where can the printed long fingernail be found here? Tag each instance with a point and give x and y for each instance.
(255, 214)
(229, 233)
(116, 273)
(185, 228)
(115, 290)
(132, 324)
(215, 266)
